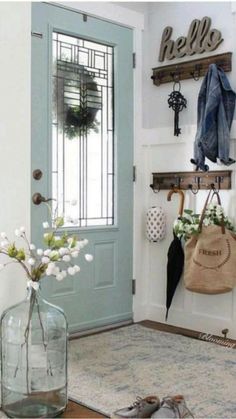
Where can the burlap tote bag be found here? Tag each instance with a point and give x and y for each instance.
(210, 258)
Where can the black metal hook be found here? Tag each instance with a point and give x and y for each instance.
(196, 73)
(155, 188)
(194, 191)
(157, 77)
(212, 185)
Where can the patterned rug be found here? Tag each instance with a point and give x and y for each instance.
(108, 371)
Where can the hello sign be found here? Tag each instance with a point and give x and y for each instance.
(200, 38)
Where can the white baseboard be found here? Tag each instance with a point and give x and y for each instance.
(192, 321)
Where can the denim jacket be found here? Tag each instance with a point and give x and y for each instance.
(216, 103)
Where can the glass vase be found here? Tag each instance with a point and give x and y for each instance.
(34, 358)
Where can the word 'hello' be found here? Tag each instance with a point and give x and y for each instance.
(199, 39)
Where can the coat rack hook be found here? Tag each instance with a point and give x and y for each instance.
(219, 179)
(196, 73)
(213, 187)
(175, 76)
(155, 188)
(176, 185)
(194, 191)
(156, 79)
(197, 180)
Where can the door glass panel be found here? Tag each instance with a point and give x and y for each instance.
(82, 131)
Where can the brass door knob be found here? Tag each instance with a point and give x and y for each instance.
(37, 198)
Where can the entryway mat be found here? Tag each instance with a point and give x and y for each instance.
(109, 370)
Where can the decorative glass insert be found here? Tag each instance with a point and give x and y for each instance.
(82, 131)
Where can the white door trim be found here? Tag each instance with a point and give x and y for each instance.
(111, 12)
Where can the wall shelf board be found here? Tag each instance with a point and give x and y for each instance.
(192, 69)
(221, 179)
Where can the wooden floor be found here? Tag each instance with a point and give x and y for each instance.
(76, 410)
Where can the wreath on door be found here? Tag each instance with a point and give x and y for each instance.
(81, 100)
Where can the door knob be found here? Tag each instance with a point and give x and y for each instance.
(225, 332)
(37, 174)
(37, 198)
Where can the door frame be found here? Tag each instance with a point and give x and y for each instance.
(136, 21)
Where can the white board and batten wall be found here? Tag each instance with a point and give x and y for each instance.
(160, 151)
(156, 149)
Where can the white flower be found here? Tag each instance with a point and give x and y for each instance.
(211, 206)
(80, 244)
(40, 252)
(75, 253)
(32, 246)
(76, 268)
(50, 268)
(47, 252)
(4, 243)
(70, 240)
(56, 270)
(22, 229)
(85, 242)
(51, 265)
(3, 235)
(59, 277)
(64, 273)
(62, 251)
(71, 270)
(18, 233)
(1, 266)
(188, 217)
(45, 260)
(66, 258)
(188, 228)
(48, 272)
(31, 261)
(176, 222)
(45, 235)
(88, 257)
(45, 224)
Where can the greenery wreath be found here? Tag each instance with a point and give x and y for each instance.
(79, 117)
(80, 120)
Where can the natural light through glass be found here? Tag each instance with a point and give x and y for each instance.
(82, 131)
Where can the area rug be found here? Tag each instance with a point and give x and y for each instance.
(108, 371)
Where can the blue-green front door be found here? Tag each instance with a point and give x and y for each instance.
(82, 141)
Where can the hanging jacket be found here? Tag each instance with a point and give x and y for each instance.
(216, 103)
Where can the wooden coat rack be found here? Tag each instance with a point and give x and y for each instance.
(193, 69)
(195, 181)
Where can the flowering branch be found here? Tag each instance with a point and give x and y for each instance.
(37, 263)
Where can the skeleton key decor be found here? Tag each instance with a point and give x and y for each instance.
(177, 102)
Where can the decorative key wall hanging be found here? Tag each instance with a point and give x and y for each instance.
(177, 102)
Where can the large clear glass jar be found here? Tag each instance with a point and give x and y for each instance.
(34, 358)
